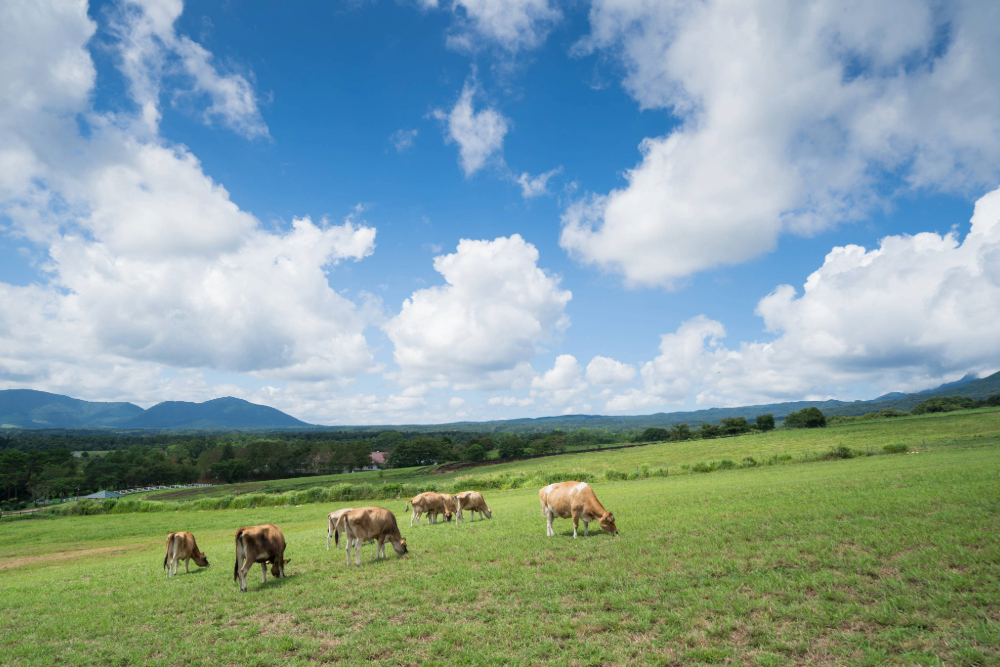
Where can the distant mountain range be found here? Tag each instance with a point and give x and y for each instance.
(29, 409)
(26, 408)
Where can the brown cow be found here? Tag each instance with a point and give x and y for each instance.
(577, 500)
(331, 530)
(474, 502)
(430, 502)
(450, 504)
(181, 546)
(259, 544)
(367, 524)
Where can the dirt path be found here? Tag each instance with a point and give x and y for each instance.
(80, 554)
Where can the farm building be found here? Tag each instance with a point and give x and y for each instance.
(104, 494)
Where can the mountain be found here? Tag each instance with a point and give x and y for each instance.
(967, 380)
(27, 408)
(218, 413)
(978, 389)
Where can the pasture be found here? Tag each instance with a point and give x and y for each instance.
(886, 560)
(933, 431)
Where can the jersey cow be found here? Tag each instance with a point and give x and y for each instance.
(430, 502)
(181, 546)
(474, 502)
(576, 500)
(259, 544)
(367, 524)
(331, 530)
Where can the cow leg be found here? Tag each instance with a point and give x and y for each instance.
(263, 571)
(548, 525)
(347, 542)
(243, 574)
(187, 563)
(576, 522)
(357, 550)
(585, 524)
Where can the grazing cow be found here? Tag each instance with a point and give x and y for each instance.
(474, 502)
(368, 524)
(181, 546)
(259, 544)
(576, 500)
(331, 530)
(430, 502)
(450, 504)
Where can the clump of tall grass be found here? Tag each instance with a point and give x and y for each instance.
(895, 449)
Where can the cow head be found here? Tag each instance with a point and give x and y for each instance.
(448, 515)
(400, 546)
(488, 513)
(608, 523)
(200, 559)
(278, 567)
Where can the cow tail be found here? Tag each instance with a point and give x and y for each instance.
(236, 568)
(167, 557)
(407, 508)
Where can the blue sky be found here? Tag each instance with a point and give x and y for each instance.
(156, 155)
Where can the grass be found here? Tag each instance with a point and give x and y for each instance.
(887, 560)
(934, 430)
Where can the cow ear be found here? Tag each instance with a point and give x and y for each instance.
(288, 560)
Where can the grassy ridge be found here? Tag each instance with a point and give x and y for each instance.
(943, 429)
(881, 560)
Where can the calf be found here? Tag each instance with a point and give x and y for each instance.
(331, 530)
(474, 502)
(430, 502)
(181, 546)
(259, 544)
(576, 500)
(366, 524)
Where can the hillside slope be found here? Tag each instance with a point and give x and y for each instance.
(27, 408)
(225, 412)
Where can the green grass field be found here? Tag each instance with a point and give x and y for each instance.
(887, 560)
(934, 430)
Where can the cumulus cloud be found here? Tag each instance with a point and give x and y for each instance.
(150, 264)
(908, 314)
(606, 372)
(513, 25)
(562, 384)
(482, 327)
(151, 50)
(791, 118)
(535, 186)
(479, 134)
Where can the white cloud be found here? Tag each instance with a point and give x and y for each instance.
(512, 24)
(914, 312)
(479, 134)
(606, 372)
(486, 322)
(456, 402)
(511, 401)
(535, 186)
(151, 50)
(403, 140)
(562, 385)
(790, 116)
(152, 274)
